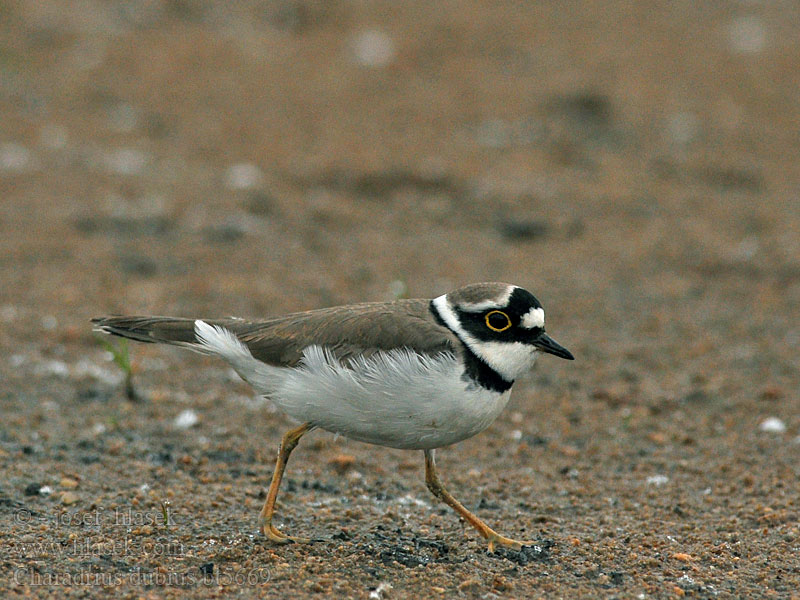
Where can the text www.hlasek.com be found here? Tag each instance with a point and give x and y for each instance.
(190, 577)
(99, 546)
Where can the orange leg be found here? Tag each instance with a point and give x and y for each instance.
(437, 489)
(288, 444)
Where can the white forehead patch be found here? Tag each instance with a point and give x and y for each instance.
(533, 318)
(497, 302)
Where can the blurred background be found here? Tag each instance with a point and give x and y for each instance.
(633, 164)
(256, 157)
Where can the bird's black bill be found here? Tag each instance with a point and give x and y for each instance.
(547, 344)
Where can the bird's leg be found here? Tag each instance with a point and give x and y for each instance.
(288, 444)
(438, 490)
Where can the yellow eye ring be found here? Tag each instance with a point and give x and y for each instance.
(494, 327)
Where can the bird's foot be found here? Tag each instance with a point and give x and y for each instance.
(501, 540)
(278, 537)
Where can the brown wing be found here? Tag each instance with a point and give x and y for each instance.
(348, 331)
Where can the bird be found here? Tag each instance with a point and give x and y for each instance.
(416, 374)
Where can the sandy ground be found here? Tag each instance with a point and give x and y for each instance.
(634, 165)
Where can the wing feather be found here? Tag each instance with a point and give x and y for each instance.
(347, 331)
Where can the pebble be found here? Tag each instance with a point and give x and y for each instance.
(772, 392)
(772, 425)
(52, 367)
(683, 128)
(68, 498)
(15, 158)
(342, 462)
(657, 480)
(373, 48)
(469, 585)
(516, 229)
(243, 176)
(682, 556)
(32, 489)
(186, 419)
(382, 591)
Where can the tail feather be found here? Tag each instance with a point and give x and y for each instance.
(166, 330)
(206, 337)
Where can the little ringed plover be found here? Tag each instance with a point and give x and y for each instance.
(415, 374)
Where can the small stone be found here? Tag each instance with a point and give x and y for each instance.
(657, 480)
(772, 425)
(14, 158)
(682, 556)
(188, 418)
(243, 176)
(521, 229)
(682, 128)
(373, 48)
(569, 451)
(68, 483)
(342, 462)
(32, 489)
(772, 392)
(381, 592)
(501, 584)
(469, 585)
(143, 530)
(68, 498)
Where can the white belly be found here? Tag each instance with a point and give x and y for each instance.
(397, 399)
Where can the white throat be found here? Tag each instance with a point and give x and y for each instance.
(510, 360)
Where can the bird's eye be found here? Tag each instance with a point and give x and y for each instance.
(497, 320)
